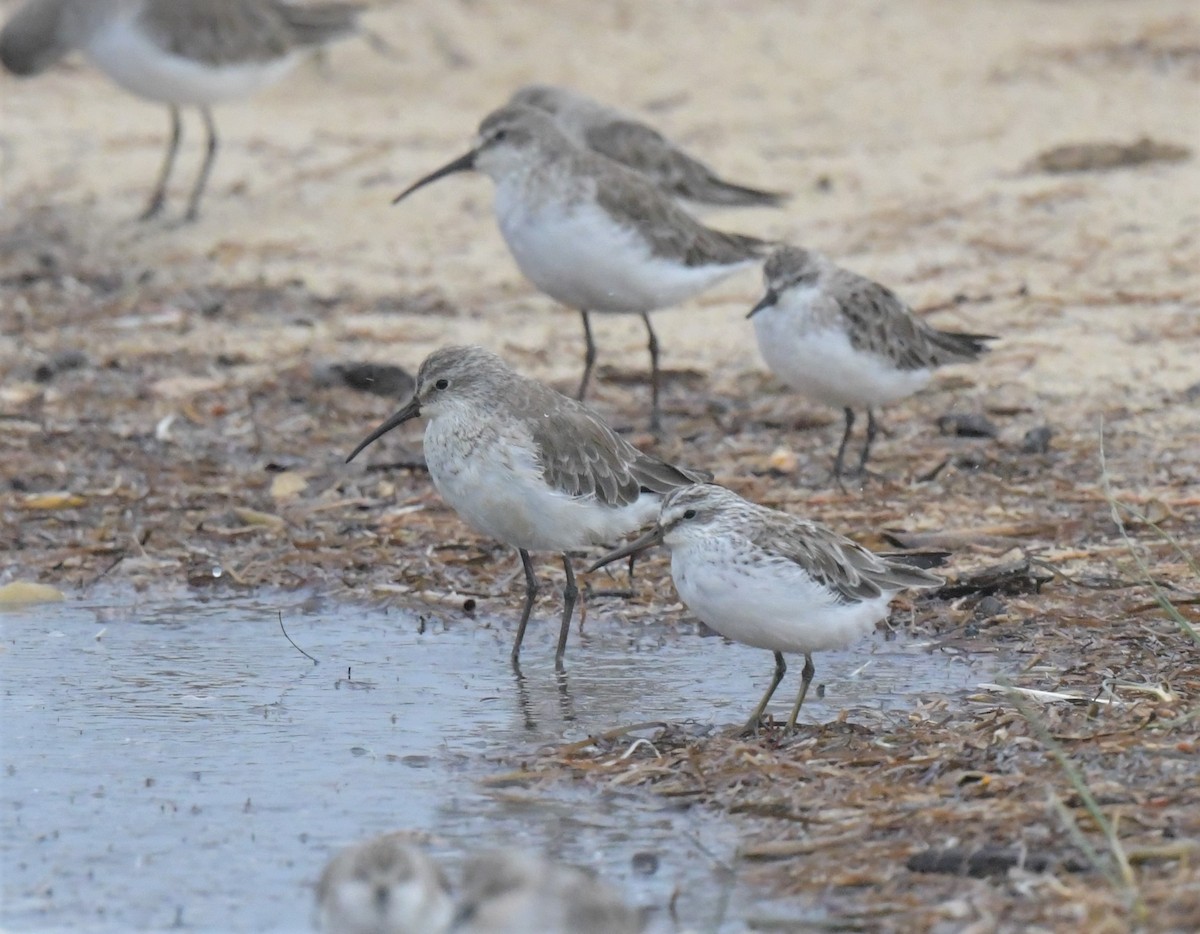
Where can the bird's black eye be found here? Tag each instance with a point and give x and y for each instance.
(499, 136)
(690, 514)
(442, 384)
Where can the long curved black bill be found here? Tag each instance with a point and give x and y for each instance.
(649, 540)
(461, 164)
(765, 302)
(410, 411)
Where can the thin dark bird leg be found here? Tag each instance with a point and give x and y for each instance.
(872, 430)
(839, 461)
(632, 561)
(655, 418)
(570, 594)
(531, 591)
(806, 676)
(752, 724)
(210, 154)
(589, 356)
(159, 196)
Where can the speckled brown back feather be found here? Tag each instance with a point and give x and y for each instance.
(879, 321)
(843, 566)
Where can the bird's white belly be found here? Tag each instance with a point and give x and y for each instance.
(579, 257)
(773, 605)
(822, 364)
(132, 60)
(499, 491)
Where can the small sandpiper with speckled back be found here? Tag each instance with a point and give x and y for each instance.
(592, 234)
(179, 52)
(844, 340)
(510, 892)
(772, 580)
(529, 466)
(385, 885)
(638, 146)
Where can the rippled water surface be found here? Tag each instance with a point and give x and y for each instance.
(171, 761)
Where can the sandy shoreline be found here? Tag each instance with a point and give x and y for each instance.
(905, 132)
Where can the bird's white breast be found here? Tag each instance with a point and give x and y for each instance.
(766, 602)
(492, 480)
(412, 907)
(817, 359)
(130, 57)
(578, 255)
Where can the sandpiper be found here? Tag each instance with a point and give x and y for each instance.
(383, 886)
(591, 233)
(627, 140)
(178, 52)
(847, 341)
(510, 892)
(771, 580)
(529, 466)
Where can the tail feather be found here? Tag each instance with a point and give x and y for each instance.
(318, 23)
(900, 575)
(717, 191)
(963, 346)
(655, 476)
(917, 559)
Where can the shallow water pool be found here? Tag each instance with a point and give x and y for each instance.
(171, 762)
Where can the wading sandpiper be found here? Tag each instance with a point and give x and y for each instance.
(529, 466)
(771, 580)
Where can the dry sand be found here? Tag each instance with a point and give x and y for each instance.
(905, 131)
(920, 116)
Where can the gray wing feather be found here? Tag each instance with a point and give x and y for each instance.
(670, 231)
(217, 33)
(247, 31)
(840, 564)
(318, 23)
(582, 456)
(883, 323)
(647, 151)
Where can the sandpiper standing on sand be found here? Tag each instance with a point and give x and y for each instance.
(529, 466)
(638, 146)
(384, 885)
(846, 341)
(771, 580)
(510, 892)
(179, 52)
(591, 233)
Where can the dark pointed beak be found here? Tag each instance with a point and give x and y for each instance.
(461, 164)
(765, 302)
(409, 412)
(649, 540)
